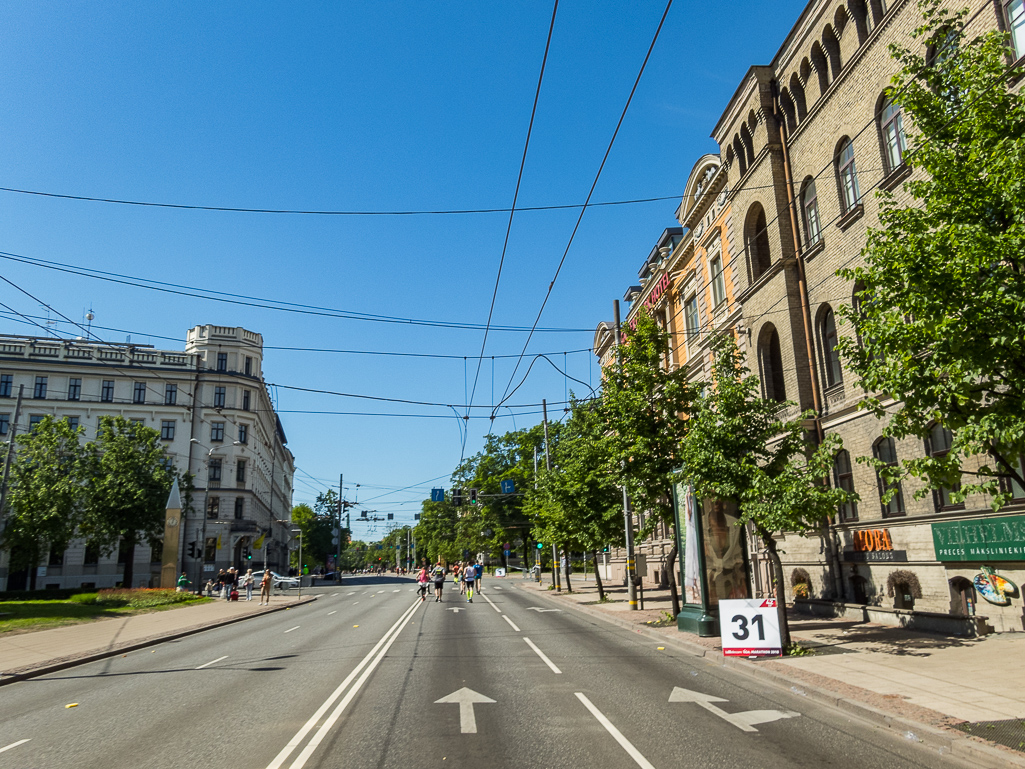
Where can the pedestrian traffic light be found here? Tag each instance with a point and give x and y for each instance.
(457, 497)
(473, 496)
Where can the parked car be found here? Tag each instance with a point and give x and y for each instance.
(279, 581)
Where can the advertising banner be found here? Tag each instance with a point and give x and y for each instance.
(983, 539)
(691, 564)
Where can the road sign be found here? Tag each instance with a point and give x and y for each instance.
(508, 487)
(506, 551)
(437, 495)
(750, 628)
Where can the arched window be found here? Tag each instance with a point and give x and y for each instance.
(797, 92)
(831, 45)
(962, 596)
(786, 103)
(937, 445)
(831, 369)
(818, 61)
(878, 8)
(843, 477)
(770, 364)
(810, 213)
(757, 238)
(847, 175)
(859, 12)
(885, 451)
(891, 132)
(749, 145)
(738, 149)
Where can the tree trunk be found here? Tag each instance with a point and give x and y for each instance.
(780, 591)
(597, 576)
(129, 573)
(671, 569)
(569, 586)
(33, 569)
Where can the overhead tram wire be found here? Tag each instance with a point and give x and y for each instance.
(590, 193)
(512, 213)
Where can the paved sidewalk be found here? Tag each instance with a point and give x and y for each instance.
(42, 650)
(940, 681)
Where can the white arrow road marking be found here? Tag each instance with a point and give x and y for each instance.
(513, 624)
(455, 609)
(491, 602)
(543, 656)
(618, 735)
(292, 628)
(13, 745)
(466, 699)
(744, 720)
(211, 662)
(539, 610)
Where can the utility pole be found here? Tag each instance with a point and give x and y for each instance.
(548, 467)
(627, 518)
(338, 550)
(10, 455)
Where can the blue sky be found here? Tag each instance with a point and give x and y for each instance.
(359, 106)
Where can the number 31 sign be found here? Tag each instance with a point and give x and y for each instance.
(750, 627)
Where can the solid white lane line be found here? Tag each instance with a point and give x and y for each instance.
(513, 624)
(292, 628)
(618, 735)
(542, 655)
(312, 722)
(13, 745)
(332, 612)
(211, 662)
(490, 602)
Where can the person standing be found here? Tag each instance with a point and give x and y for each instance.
(230, 579)
(247, 582)
(221, 582)
(265, 584)
(439, 581)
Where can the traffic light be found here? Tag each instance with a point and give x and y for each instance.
(192, 549)
(249, 554)
(473, 496)
(457, 497)
(540, 545)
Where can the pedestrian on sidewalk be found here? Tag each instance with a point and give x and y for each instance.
(439, 580)
(247, 583)
(230, 580)
(183, 583)
(265, 588)
(222, 577)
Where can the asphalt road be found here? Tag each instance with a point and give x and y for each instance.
(368, 676)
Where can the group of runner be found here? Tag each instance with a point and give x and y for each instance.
(466, 576)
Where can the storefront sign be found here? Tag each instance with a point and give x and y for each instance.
(994, 588)
(986, 539)
(875, 556)
(868, 540)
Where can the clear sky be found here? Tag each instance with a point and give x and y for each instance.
(359, 106)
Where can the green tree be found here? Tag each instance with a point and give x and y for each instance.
(47, 492)
(436, 533)
(578, 504)
(939, 310)
(130, 477)
(738, 448)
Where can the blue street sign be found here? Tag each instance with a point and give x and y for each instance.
(508, 487)
(506, 553)
(437, 495)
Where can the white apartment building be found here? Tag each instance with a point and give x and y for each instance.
(215, 417)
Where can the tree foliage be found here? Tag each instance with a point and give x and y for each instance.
(939, 307)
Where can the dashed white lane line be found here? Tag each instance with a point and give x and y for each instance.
(332, 612)
(511, 623)
(211, 662)
(355, 602)
(543, 656)
(292, 628)
(348, 594)
(396, 591)
(334, 594)
(13, 745)
(618, 735)
(490, 602)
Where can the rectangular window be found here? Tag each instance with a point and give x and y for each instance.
(222, 361)
(844, 478)
(690, 317)
(139, 393)
(6, 385)
(56, 557)
(213, 507)
(240, 471)
(72, 422)
(219, 397)
(1015, 10)
(39, 393)
(885, 451)
(215, 471)
(167, 429)
(718, 281)
(92, 554)
(74, 389)
(240, 506)
(249, 366)
(245, 400)
(217, 432)
(810, 202)
(170, 394)
(34, 420)
(107, 391)
(938, 446)
(243, 433)
(1017, 491)
(5, 424)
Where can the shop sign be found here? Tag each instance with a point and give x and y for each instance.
(873, 545)
(994, 588)
(986, 539)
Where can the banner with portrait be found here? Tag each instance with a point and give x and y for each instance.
(725, 553)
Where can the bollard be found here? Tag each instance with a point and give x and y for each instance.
(640, 591)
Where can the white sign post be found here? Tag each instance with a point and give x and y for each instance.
(750, 628)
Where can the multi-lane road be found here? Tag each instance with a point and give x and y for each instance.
(368, 676)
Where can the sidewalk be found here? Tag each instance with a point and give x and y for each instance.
(23, 655)
(959, 685)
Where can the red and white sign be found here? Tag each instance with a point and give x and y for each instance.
(749, 627)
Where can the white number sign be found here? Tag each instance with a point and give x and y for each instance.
(750, 628)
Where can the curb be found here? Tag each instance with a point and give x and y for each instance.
(70, 663)
(943, 742)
